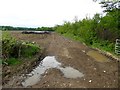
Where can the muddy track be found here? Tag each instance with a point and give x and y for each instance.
(99, 71)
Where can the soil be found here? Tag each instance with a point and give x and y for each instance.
(99, 71)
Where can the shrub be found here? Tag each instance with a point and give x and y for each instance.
(13, 50)
(28, 50)
(13, 61)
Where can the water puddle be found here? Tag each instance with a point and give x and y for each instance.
(97, 56)
(70, 72)
(47, 63)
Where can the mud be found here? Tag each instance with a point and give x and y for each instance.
(97, 56)
(36, 74)
(70, 72)
(99, 71)
(47, 63)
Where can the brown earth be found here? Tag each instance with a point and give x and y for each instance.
(99, 71)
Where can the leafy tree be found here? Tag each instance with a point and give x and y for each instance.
(100, 31)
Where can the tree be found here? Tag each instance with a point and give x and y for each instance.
(110, 5)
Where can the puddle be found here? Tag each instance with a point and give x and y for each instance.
(36, 74)
(47, 63)
(70, 72)
(97, 56)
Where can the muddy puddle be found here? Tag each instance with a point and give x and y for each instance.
(97, 56)
(47, 63)
(70, 72)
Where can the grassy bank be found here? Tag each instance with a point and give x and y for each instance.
(98, 32)
(104, 46)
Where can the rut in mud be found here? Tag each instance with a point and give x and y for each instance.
(47, 63)
(97, 70)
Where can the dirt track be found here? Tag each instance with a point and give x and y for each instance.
(97, 73)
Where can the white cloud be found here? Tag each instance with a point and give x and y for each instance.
(34, 13)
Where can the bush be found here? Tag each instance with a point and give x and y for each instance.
(13, 61)
(7, 45)
(12, 49)
(100, 31)
(28, 50)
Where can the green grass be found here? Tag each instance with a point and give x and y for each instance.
(100, 44)
(106, 47)
(13, 61)
(14, 50)
(71, 36)
(30, 50)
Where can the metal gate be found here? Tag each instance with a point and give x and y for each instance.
(117, 46)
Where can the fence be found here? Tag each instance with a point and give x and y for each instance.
(117, 46)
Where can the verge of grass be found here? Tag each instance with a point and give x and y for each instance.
(104, 46)
(71, 36)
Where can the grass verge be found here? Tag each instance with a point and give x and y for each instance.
(104, 46)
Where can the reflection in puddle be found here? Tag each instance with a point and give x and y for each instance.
(97, 56)
(46, 63)
(70, 72)
(35, 75)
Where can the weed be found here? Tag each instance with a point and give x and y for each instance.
(13, 61)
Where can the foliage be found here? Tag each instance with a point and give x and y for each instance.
(7, 44)
(13, 61)
(4, 28)
(110, 5)
(45, 29)
(12, 50)
(15, 28)
(100, 31)
(29, 50)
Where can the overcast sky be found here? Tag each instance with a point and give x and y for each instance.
(37, 13)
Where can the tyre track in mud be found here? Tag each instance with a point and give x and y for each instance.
(97, 74)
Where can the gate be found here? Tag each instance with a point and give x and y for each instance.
(117, 46)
